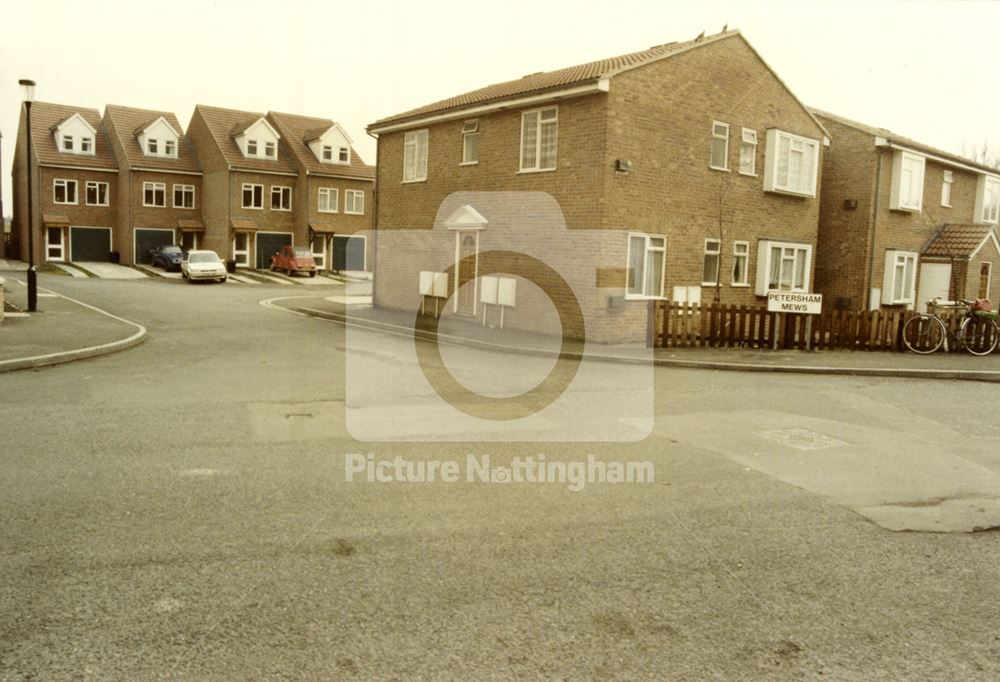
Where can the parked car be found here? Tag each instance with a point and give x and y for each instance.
(168, 257)
(294, 259)
(203, 265)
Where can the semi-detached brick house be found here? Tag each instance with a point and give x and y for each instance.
(74, 185)
(334, 186)
(695, 156)
(902, 223)
(258, 187)
(159, 182)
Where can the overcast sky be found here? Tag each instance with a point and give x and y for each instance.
(926, 70)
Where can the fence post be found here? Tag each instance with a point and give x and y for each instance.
(650, 323)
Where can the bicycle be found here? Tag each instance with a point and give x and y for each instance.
(927, 332)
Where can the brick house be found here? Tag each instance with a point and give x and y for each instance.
(159, 182)
(694, 161)
(902, 222)
(333, 191)
(74, 185)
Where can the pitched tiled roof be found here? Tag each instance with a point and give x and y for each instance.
(296, 130)
(549, 80)
(957, 240)
(128, 122)
(45, 117)
(222, 122)
(900, 140)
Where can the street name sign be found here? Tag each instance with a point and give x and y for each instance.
(786, 302)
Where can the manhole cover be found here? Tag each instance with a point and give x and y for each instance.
(801, 439)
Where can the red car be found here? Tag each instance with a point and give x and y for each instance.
(294, 259)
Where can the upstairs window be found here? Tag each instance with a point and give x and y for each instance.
(183, 196)
(64, 191)
(154, 194)
(354, 202)
(720, 146)
(152, 146)
(281, 198)
(253, 196)
(748, 152)
(269, 150)
(946, 189)
(646, 266)
(710, 272)
(790, 163)
(470, 143)
(328, 152)
(86, 145)
(327, 200)
(344, 155)
(67, 143)
(169, 148)
(251, 147)
(907, 191)
(415, 156)
(97, 193)
(539, 137)
(988, 200)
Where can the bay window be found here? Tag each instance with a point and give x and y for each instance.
(790, 163)
(783, 266)
(900, 277)
(907, 192)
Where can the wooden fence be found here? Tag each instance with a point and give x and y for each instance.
(676, 325)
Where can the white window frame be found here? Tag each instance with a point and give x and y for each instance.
(97, 186)
(540, 122)
(713, 247)
(282, 192)
(270, 150)
(741, 252)
(716, 136)
(86, 145)
(904, 162)
(748, 147)
(241, 257)
(772, 165)
(352, 199)
(65, 184)
(470, 129)
(647, 248)
(328, 192)
(251, 147)
(947, 181)
(184, 191)
(153, 146)
(764, 264)
(68, 144)
(154, 186)
(170, 148)
(988, 200)
(252, 186)
(327, 153)
(344, 155)
(894, 259)
(415, 151)
(319, 256)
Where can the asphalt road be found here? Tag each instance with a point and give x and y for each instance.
(181, 510)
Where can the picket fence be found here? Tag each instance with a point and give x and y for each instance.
(677, 325)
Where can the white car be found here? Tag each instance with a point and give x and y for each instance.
(203, 265)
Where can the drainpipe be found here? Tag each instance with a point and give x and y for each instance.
(875, 213)
(374, 228)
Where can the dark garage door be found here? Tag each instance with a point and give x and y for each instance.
(146, 240)
(90, 244)
(348, 253)
(268, 244)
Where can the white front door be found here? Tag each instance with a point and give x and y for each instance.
(935, 282)
(241, 249)
(55, 244)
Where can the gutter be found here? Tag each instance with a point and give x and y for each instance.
(887, 143)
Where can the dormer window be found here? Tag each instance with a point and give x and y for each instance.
(86, 145)
(269, 149)
(170, 148)
(251, 147)
(67, 143)
(329, 144)
(152, 147)
(74, 136)
(345, 155)
(328, 152)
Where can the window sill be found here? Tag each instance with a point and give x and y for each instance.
(154, 206)
(252, 208)
(710, 284)
(327, 212)
(281, 210)
(413, 182)
(99, 205)
(183, 208)
(749, 175)
(353, 213)
(528, 171)
(792, 193)
(744, 285)
(718, 168)
(638, 297)
(469, 163)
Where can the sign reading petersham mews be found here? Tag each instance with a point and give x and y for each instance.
(786, 302)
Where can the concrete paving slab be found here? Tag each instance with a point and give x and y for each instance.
(271, 278)
(68, 269)
(112, 271)
(9, 265)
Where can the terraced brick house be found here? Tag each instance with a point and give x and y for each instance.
(902, 223)
(159, 184)
(698, 164)
(74, 185)
(334, 190)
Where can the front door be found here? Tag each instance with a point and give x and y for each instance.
(468, 248)
(935, 282)
(189, 241)
(55, 244)
(241, 249)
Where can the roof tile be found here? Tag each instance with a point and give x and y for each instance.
(45, 117)
(957, 240)
(222, 122)
(128, 122)
(297, 130)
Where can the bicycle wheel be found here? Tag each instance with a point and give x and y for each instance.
(923, 334)
(978, 336)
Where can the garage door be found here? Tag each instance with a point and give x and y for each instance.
(147, 240)
(268, 244)
(348, 253)
(90, 244)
